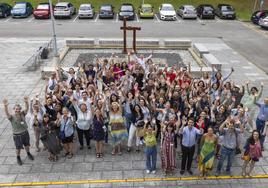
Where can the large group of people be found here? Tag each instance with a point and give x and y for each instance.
(134, 104)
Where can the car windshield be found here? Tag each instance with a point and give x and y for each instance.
(208, 8)
(226, 8)
(60, 7)
(167, 8)
(127, 8)
(189, 8)
(85, 8)
(146, 9)
(106, 8)
(18, 6)
(43, 7)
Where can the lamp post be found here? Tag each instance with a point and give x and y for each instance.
(55, 49)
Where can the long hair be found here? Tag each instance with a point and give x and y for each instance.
(251, 139)
(140, 111)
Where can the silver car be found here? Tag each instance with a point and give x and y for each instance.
(86, 11)
(263, 22)
(187, 11)
(64, 9)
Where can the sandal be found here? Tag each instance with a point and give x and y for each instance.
(70, 156)
(98, 155)
(101, 155)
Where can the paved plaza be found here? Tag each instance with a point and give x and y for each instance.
(16, 82)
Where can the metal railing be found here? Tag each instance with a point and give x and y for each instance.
(37, 58)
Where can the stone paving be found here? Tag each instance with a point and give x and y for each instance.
(16, 82)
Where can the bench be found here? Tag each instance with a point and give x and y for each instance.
(200, 49)
(211, 60)
(178, 43)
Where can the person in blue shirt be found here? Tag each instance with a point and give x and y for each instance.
(262, 117)
(189, 138)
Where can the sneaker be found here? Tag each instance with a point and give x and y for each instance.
(148, 171)
(217, 173)
(190, 172)
(153, 172)
(182, 172)
(30, 156)
(19, 160)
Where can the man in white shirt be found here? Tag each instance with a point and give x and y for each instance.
(142, 62)
(85, 99)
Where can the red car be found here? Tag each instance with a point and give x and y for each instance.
(42, 11)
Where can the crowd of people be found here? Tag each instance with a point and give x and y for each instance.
(134, 104)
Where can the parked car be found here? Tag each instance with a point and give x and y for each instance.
(256, 16)
(127, 11)
(22, 10)
(187, 11)
(264, 22)
(205, 11)
(5, 10)
(64, 9)
(106, 11)
(42, 11)
(167, 12)
(86, 11)
(146, 11)
(225, 11)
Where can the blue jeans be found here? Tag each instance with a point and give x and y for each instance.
(229, 153)
(151, 154)
(260, 124)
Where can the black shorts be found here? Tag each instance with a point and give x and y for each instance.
(68, 139)
(22, 140)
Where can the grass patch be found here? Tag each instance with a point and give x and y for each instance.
(243, 8)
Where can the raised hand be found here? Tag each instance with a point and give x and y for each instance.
(26, 98)
(5, 101)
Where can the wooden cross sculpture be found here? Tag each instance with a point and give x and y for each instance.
(125, 28)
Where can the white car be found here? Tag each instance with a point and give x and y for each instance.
(263, 22)
(187, 11)
(64, 9)
(167, 12)
(86, 11)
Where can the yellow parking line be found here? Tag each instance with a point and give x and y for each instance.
(128, 180)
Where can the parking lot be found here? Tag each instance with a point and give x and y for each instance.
(96, 19)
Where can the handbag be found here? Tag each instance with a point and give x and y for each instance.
(245, 156)
(43, 137)
(62, 133)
